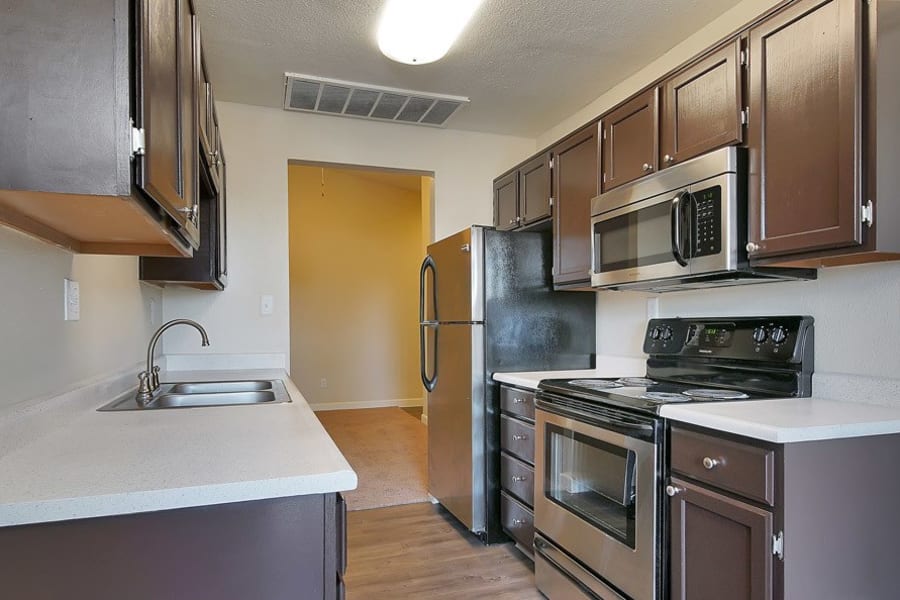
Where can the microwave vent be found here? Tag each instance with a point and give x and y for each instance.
(307, 93)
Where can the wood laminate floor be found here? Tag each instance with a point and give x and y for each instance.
(420, 551)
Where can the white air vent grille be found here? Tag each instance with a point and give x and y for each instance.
(344, 98)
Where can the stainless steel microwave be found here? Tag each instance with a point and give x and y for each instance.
(684, 227)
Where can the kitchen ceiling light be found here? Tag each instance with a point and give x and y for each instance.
(417, 32)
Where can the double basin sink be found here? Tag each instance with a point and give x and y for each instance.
(207, 393)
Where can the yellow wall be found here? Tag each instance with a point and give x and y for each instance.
(354, 267)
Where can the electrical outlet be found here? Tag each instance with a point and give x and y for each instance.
(323, 383)
(72, 295)
(266, 305)
(652, 308)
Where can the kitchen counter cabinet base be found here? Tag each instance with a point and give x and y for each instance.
(267, 550)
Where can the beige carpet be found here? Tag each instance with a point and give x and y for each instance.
(387, 449)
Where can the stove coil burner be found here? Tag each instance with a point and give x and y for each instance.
(636, 381)
(706, 394)
(595, 384)
(665, 397)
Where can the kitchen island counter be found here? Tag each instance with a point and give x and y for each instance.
(62, 460)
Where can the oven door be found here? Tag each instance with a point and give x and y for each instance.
(643, 241)
(597, 493)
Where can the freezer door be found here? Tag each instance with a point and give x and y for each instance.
(458, 278)
(456, 460)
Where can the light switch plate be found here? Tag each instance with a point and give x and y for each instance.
(266, 305)
(72, 299)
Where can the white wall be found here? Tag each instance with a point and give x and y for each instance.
(41, 354)
(258, 143)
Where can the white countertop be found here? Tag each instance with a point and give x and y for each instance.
(65, 460)
(780, 421)
(791, 419)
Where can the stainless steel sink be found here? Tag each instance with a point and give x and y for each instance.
(207, 393)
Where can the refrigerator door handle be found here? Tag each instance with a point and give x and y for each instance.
(428, 382)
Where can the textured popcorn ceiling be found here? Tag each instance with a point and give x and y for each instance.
(526, 65)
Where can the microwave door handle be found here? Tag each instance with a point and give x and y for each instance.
(675, 231)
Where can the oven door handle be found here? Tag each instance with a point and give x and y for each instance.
(677, 233)
(601, 420)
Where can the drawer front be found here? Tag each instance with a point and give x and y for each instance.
(517, 478)
(517, 402)
(733, 466)
(517, 438)
(517, 521)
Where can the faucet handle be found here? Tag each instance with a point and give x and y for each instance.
(144, 393)
(154, 379)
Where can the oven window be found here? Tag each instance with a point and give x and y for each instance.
(635, 239)
(592, 479)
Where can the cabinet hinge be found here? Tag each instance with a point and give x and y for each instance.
(604, 134)
(778, 545)
(552, 163)
(745, 115)
(604, 178)
(743, 58)
(551, 200)
(867, 215)
(138, 143)
(553, 271)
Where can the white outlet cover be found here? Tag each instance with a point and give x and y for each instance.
(266, 305)
(72, 299)
(652, 308)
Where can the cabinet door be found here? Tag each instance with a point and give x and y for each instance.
(159, 47)
(222, 229)
(203, 87)
(575, 181)
(805, 86)
(720, 547)
(187, 92)
(701, 107)
(534, 177)
(630, 140)
(506, 202)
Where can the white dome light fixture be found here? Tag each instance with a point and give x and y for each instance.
(418, 32)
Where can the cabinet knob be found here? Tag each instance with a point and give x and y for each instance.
(512, 221)
(752, 247)
(519, 478)
(647, 167)
(520, 437)
(669, 158)
(672, 490)
(711, 463)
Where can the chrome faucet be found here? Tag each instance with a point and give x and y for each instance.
(149, 379)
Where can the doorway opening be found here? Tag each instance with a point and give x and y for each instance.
(357, 236)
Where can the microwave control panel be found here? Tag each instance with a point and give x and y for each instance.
(708, 221)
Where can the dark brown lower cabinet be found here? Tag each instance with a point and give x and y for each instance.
(274, 549)
(719, 547)
(517, 466)
(829, 532)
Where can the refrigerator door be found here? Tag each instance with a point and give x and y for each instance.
(456, 420)
(457, 278)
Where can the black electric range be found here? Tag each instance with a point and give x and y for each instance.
(708, 360)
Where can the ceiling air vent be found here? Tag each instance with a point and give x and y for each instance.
(307, 93)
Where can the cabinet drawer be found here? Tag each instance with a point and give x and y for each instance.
(518, 521)
(517, 402)
(739, 468)
(517, 438)
(517, 478)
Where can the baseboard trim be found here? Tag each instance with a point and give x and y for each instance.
(400, 402)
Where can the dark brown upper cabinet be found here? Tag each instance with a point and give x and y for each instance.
(506, 201)
(104, 162)
(575, 181)
(522, 197)
(701, 107)
(630, 140)
(805, 115)
(534, 193)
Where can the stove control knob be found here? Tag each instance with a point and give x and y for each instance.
(760, 335)
(779, 335)
(655, 333)
(666, 333)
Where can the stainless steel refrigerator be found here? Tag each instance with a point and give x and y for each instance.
(486, 304)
